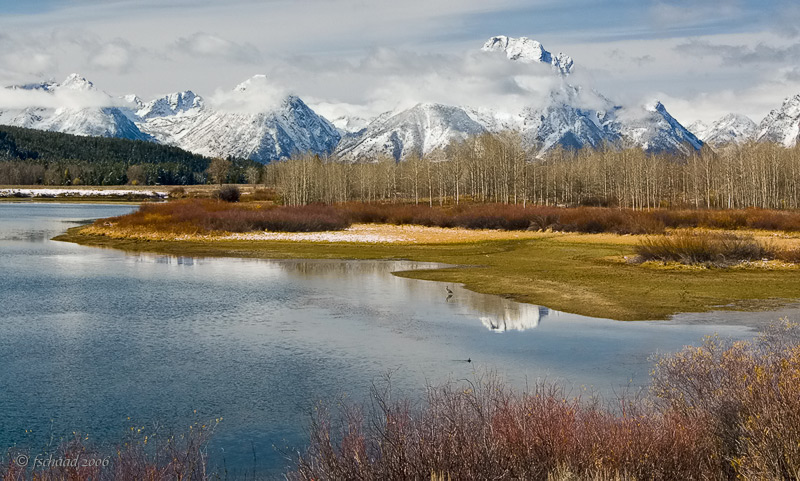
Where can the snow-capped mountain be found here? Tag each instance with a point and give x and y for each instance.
(700, 129)
(416, 131)
(563, 122)
(731, 129)
(350, 124)
(255, 121)
(74, 82)
(658, 132)
(782, 125)
(572, 118)
(85, 121)
(171, 104)
(526, 50)
(183, 119)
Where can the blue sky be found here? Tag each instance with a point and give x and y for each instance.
(702, 58)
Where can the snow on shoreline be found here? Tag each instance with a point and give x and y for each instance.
(79, 193)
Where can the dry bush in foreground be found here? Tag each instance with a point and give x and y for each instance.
(747, 393)
(719, 411)
(484, 431)
(723, 410)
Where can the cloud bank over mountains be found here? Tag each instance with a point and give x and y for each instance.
(697, 56)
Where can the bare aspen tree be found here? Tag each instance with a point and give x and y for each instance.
(497, 168)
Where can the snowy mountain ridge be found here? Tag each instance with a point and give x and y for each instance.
(782, 125)
(184, 120)
(255, 120)
(572, 118)
(171, 104)
(732, 129)
(104, 120)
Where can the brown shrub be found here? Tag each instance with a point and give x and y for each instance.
(177, 193)
(509, 217)
(788, 255)
(228, 193)
(704, 247)
(724, 410)
(747, 393)
(731, 219)
(482, 430)
(196, 216)
(187, 217)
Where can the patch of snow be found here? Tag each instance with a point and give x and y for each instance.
(80, 192)
(347, 235)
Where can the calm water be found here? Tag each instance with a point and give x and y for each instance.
(91, 337)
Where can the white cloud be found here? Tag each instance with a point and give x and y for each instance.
(733, 54)
(390, 79)
(206, 45)
(255, 95)
(365, 57)
(15, 99)
(755, 102)
(116, 56)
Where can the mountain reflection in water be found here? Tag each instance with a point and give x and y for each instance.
(515, 317)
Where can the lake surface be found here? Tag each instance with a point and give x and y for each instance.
(91, 337)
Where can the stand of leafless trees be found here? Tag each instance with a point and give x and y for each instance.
(496, 168)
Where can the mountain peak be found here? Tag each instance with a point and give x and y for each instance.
(171, 104)
(654, 105)
(527, 50)
(730, 129)
(76, 82)
(782, 125)
(133, 99)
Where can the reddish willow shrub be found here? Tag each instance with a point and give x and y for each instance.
(482, 430)
(724, 410)
(509, 217)
(748, 396)
(731, 219)
(195, 216)
(570, 219)
(192, 216)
